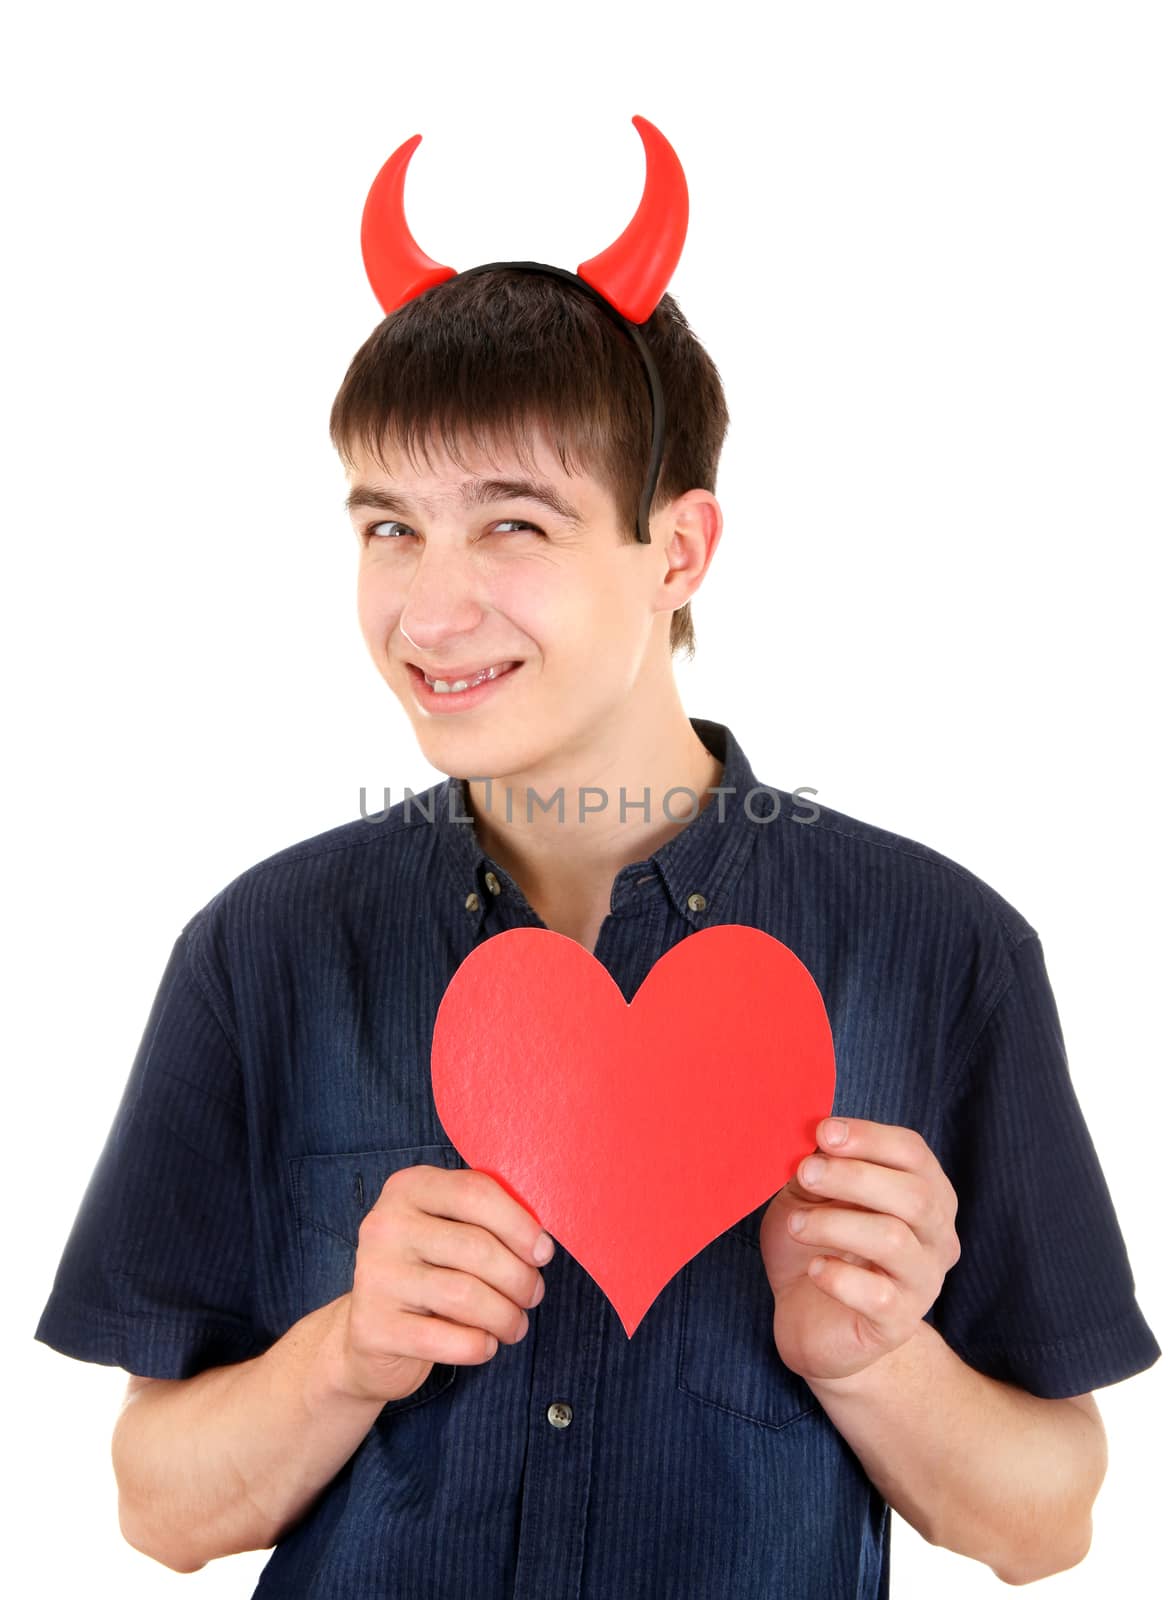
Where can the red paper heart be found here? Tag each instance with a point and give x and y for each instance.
(634, 1134)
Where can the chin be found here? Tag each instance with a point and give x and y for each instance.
(466, 752)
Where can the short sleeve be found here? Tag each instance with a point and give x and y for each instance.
(1043, 1296)
(155, 1275)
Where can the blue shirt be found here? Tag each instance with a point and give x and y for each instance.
(285, 1072)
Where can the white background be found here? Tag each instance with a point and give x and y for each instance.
(929, 253)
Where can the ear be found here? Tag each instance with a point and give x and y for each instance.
(690, 529)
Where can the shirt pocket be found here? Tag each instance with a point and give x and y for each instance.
(332, 1194)
(727, 1355)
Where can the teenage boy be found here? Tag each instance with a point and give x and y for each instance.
(347, 1344)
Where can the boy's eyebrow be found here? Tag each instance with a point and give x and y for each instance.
(473, 492)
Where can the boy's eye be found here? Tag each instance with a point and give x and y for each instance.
(390, 538)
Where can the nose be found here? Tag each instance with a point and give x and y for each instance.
(440, 602)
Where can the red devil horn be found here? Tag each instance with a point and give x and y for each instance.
(635, 270)
(396, 267)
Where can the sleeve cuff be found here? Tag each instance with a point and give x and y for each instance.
(1076, 1364)
(149, 1347)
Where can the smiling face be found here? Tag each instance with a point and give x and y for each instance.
(448, 584)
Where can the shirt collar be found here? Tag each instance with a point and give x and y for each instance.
(698, 867)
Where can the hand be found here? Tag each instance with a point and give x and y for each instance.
(444, 1270)
(882, 1218)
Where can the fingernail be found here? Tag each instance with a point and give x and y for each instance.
(835, 1131)
(543, 1249)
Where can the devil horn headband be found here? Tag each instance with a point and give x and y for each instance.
(627, 279)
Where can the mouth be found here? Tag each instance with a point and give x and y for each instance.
(445, 694)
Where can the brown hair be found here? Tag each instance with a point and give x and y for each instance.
(487, 355)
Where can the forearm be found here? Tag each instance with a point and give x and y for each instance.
(976, 1466)
(228, 1460)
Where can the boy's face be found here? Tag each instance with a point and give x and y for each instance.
(447, 586)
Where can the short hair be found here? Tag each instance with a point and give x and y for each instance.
(487, 356)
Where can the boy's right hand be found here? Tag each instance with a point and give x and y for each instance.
(444, 1270)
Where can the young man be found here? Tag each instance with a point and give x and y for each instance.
(324, 1309)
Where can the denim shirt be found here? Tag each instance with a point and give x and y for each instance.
(284, 1074)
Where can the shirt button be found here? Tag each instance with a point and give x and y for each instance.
(493, 882)
(472, 903)
(696, 902)
(560, 1414)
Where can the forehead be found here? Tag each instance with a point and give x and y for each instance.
(479, 476)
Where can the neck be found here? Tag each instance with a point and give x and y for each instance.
(560, 856)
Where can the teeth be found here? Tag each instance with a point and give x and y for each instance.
(444, 686)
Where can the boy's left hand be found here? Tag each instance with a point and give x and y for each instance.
(883, 1216)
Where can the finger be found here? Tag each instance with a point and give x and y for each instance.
(466, 1249)
(872, 1295)
(467, 1300)
(400, 1314)
(885, 1143)
(882, 1239)
(468, 1195)
(890, 1145)
(910, 1197)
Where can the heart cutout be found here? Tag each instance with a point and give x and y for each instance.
(635, 1134)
